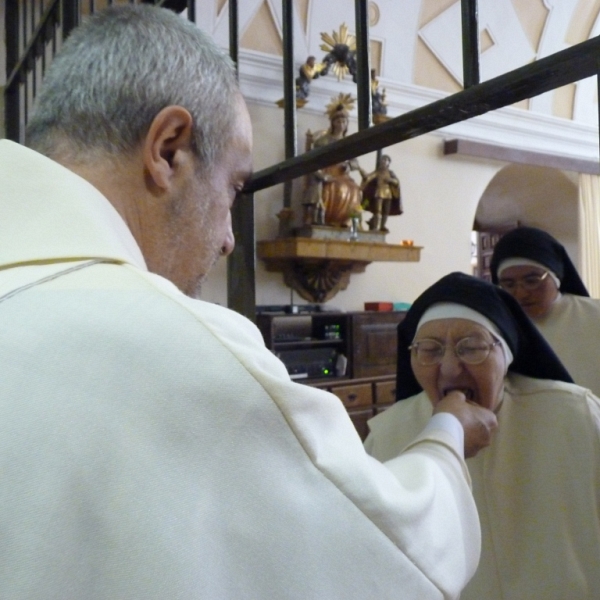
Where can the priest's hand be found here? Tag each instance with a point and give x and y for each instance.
(478, 422)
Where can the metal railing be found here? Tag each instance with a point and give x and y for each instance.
(35, 30)
(562, 68)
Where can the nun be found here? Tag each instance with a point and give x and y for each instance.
(537, 486)
(536, 270)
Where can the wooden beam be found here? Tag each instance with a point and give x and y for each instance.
(523, 157)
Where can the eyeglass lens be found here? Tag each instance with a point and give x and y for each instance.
(469, 350)
(528, 283)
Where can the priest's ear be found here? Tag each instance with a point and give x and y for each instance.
(167, 147)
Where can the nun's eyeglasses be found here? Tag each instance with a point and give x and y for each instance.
(529, 283)
(471, 351)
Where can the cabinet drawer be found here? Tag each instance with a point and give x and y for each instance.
(385, 392)
(354, 395)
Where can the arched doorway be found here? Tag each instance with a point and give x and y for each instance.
(526, 195)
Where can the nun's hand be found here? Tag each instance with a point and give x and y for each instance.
(478, 423)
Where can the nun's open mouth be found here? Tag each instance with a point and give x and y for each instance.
(468, 392)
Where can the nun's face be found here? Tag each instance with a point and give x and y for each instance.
(531, 287)
(482, 383)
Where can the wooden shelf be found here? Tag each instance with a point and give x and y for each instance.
(319, 268)
(311, 248)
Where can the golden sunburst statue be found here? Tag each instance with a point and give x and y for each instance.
(346, 101)
(341, 47)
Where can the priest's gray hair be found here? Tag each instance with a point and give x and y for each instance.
(118, 70)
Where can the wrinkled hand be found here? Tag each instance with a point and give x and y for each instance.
(478, 423)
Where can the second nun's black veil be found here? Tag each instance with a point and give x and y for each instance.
(540, 246)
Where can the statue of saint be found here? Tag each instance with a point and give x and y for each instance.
(308, 71)
(332, 192)
(378, 100)
(381, 193)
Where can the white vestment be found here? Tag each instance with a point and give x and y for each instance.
(152, 448)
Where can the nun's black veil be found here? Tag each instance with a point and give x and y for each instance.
(537, 245)
(532, 354)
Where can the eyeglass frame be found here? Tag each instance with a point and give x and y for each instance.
(415, 346)
(520, 282)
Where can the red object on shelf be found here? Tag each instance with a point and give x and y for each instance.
(379, 306)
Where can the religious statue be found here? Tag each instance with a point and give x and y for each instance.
(332, 196)
(378, 101)
(308, 71)
(381, 193)
(340, 47)
(341, 52)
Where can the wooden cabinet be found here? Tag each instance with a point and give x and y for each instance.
(375, 343)
(354, 395)
(366, 340)
(363, 398)
(352, 355)
(385, 394)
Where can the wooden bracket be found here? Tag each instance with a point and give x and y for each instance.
(319, 268)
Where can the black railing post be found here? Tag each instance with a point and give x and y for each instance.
(289, 94)
(12, 106)
(598, 91)
(191, 10)
(241, 263)
(363, 69)
(234, 36)
(470, 42)
(69, 16)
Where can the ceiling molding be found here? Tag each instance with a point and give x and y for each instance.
(518, 156)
